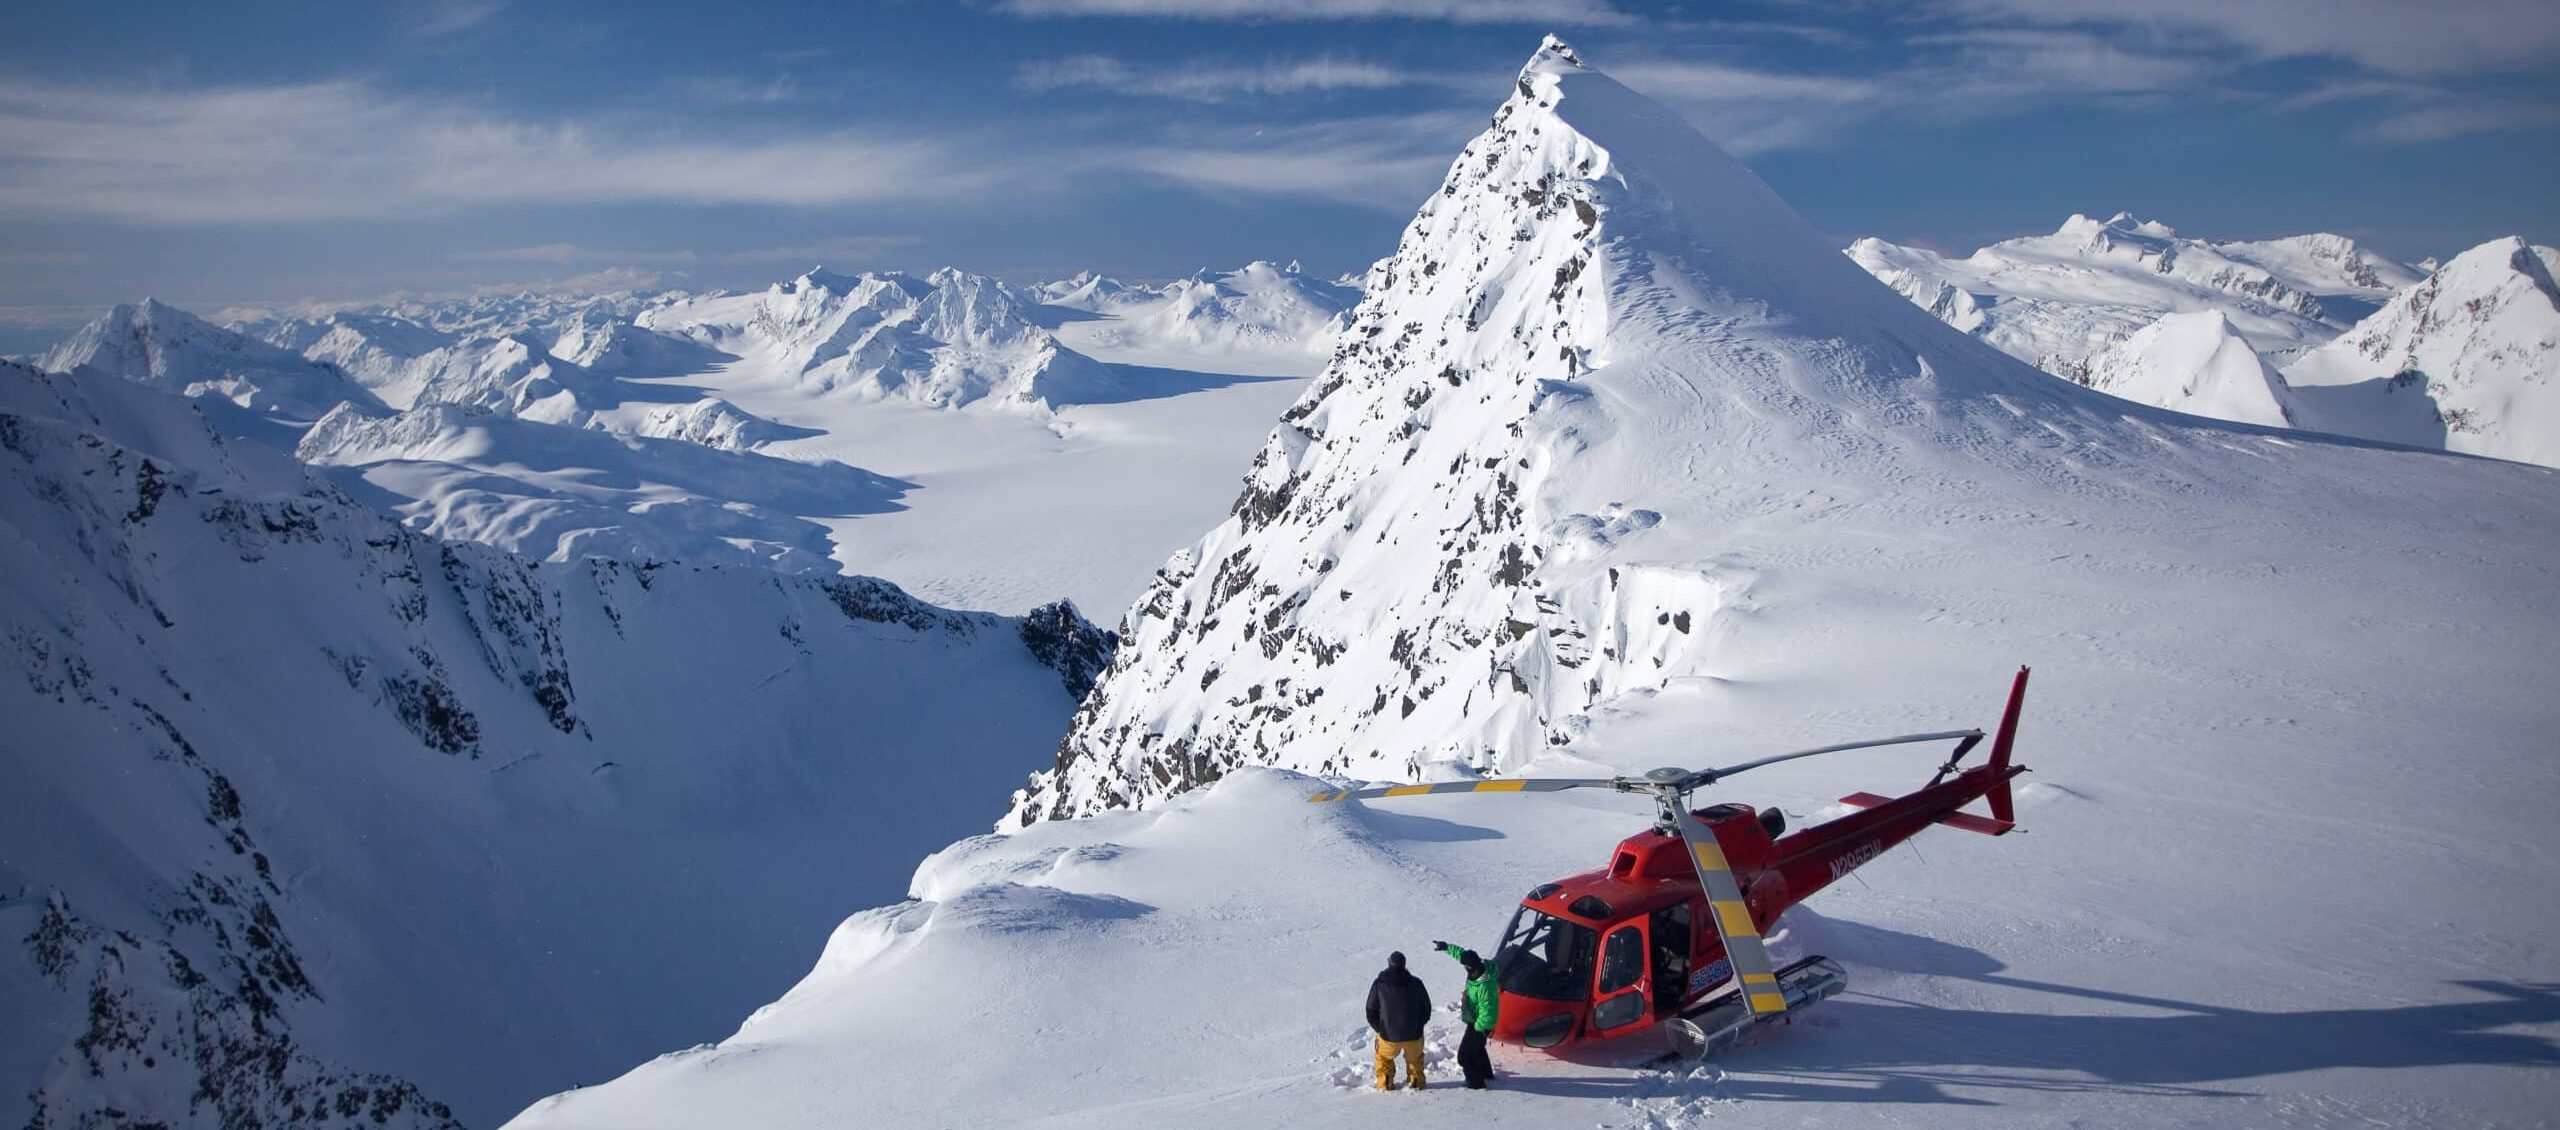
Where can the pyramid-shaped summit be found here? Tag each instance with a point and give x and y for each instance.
(1450, 548)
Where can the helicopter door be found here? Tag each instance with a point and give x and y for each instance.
(1622, 997)
(1671, 957)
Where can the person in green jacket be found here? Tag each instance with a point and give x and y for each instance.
(1483, 1003)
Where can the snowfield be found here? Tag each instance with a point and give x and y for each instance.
(1622, 466)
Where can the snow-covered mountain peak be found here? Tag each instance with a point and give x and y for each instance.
(2057, 301)
(820, 278)
(950, 339)
(1256, 317)
(2332, 266)
(170, 349)
(2122, 233)
(1554, 56)
(1449, 550)
(2195, 363)
(2128, 222)
(2462, 360)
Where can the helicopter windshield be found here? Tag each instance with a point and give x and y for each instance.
(1546, 957)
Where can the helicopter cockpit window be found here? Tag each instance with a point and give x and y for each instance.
(1622, 960)
(1546, 957)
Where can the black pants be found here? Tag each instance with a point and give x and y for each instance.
(1472, 1059)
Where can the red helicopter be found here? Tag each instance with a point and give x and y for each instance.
(1611, 951)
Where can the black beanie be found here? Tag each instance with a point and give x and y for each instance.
(1395, 960)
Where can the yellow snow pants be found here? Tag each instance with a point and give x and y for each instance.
(1388, 1050)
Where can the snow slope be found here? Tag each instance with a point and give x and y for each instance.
(307, 820)
(2056, 301)
(2468, 360)
(2290, 721)
(2194, 363)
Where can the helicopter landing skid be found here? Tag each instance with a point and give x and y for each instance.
(1707, 1032)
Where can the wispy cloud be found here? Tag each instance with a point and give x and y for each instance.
(1751, 112)
(1386, 162)
(2010, 62)
(565, 254)
(2438, 37)
(1944, 77)
(2412, 112)
(343, 151)
(841, 249)
(1202, 82)
(452, 17)
(1563, 13)
(610, 280)
(730, 91)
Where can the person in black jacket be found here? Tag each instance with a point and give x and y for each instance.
(1398, 1007)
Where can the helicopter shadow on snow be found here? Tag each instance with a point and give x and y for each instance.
(1871, 1048)
(1385, 824)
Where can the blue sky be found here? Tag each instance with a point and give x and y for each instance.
(230, 154)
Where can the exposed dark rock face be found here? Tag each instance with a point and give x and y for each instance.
(1066, 642)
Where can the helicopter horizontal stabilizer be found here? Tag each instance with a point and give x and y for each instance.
(1964, 820)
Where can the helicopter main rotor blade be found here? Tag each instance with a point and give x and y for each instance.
(1732, 918)
(1513, 785)
(1711, 776)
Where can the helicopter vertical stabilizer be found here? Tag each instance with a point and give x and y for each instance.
(2003, 808)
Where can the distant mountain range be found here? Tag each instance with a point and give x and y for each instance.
(2311, 331)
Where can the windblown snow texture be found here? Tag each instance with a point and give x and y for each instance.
(315, 821)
